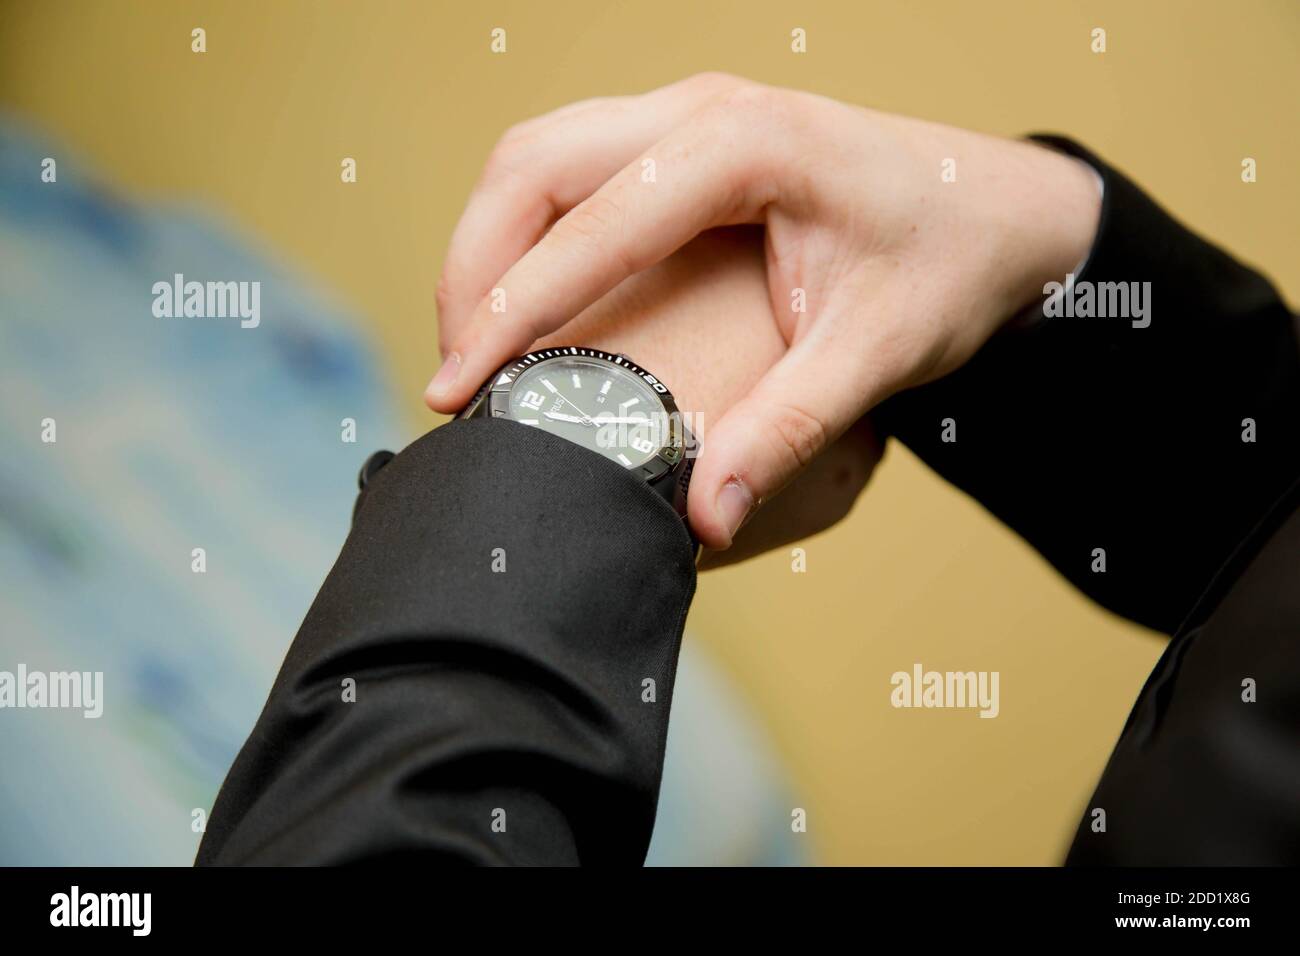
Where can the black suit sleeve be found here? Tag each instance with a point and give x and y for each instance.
(1207, 769)
(500, 716)
(1090, 433)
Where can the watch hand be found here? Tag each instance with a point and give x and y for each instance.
(598, 420)
(561, 417)
(586, 419)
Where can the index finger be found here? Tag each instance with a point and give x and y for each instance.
(543, 168)
(696, 178)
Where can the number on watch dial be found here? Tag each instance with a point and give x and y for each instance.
(591, 401)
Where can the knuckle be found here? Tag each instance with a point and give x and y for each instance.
(506, 157)
(581, 106)
(713, 81)
(515, 134)
(455, 284)
(756, 117)
(800, 435)
(596, 226)
(496, 170)
(446, 291)
(594, 218)
(750, 102)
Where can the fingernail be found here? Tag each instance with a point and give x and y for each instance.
(446, 377)
(733, 504)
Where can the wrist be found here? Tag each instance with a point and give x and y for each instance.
(1057, 215)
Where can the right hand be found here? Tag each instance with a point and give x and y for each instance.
(904, 275)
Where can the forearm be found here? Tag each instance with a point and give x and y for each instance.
(501, 603)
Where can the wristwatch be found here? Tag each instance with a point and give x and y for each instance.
(605, 403)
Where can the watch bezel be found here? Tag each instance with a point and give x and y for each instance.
(668, 455)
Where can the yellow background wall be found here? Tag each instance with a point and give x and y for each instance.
(257, 126)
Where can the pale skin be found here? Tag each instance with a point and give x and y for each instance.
(902, 276)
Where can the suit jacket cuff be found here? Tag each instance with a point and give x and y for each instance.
(510, 607)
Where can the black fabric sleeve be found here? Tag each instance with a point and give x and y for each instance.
(500, 716)
(1207, 769)
(1092, 433)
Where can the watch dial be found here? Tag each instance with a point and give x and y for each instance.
(593, 403)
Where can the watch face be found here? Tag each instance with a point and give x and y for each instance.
(603, 403)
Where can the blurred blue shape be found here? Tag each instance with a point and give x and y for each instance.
(184, 433)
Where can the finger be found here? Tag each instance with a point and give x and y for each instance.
(819, 497)
(531, 178)
(540, 170)
(702, 176)
(803, 404)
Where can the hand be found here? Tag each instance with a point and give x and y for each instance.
(676, 318)
(902, 276)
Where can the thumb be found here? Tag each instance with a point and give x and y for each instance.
(802, 405)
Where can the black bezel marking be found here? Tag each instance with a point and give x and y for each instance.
(661, 462)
